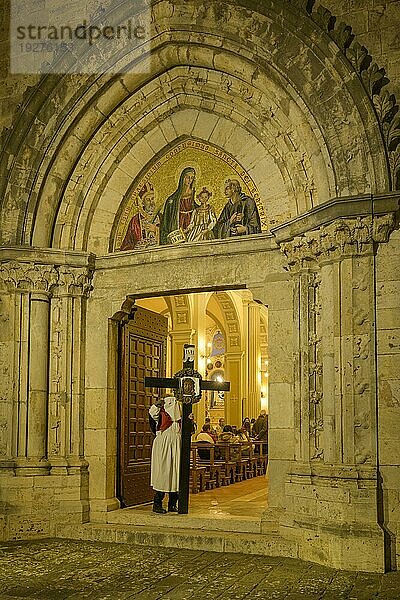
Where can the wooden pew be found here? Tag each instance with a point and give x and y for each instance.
(225, 458)
(205, 454)
(261, 453)
(198, 473)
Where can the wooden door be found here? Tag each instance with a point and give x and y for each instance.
(143, 343)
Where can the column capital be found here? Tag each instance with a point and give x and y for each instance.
(16, 276)
(45, 279)
(343, 237)
(73, 281)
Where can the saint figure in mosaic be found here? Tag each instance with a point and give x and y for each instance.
(240, 214)
(142, 230)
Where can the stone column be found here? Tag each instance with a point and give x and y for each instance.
(333, 270)
(67, 356)
(36, 449)
(29, 286)
(198, 312)
(178, 340)
(233, 370)
(9, 366)
(254, 360)
(244, 339)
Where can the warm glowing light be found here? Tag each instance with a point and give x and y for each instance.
(220, 378)
(201, 361)
(264, 397)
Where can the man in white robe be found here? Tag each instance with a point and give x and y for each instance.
(166, 453)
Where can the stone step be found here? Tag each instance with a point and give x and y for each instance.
(216, 522)
(178, 537)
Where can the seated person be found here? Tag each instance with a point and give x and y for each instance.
(229, 437)
(247, 426)
(211, 430)
(245, 441)
(205, 437)
(220, 427)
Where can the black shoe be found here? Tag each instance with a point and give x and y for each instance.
(159, 509)
(172, 509)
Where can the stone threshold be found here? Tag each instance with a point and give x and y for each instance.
(204, 522)
(160, 534)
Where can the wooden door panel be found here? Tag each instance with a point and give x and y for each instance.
(143, 354)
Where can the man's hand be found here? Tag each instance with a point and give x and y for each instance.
(236, 218)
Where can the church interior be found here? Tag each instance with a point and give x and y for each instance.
(222, 174)
(230, 332)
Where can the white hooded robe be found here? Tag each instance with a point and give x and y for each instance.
(166, 450)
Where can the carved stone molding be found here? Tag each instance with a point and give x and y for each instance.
(315, 368)
(373, 78)
(343, 237)
(27, 277)
(74, 281)
(45, 279)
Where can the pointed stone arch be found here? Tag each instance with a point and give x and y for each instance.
(59, 167)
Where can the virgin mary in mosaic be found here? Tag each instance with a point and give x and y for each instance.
(195, 192)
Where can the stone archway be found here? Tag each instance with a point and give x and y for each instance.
(318, 157)
(280, 86)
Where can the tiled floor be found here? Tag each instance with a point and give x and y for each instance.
(244, 499)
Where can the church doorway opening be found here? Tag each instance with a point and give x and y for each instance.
(229, 330)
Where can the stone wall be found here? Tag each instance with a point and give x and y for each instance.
(43, 474)
(376, 24)
(338, 481)
(388, 345)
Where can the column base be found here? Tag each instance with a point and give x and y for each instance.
(7, 467)
(100, 508)
(28, 467)
(62, 465)
(58, 465)
(77, 466)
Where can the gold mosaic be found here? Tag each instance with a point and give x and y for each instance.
(183, 197)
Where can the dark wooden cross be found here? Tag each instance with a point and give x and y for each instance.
(189, 385)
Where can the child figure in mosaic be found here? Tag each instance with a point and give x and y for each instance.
(203, 218)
